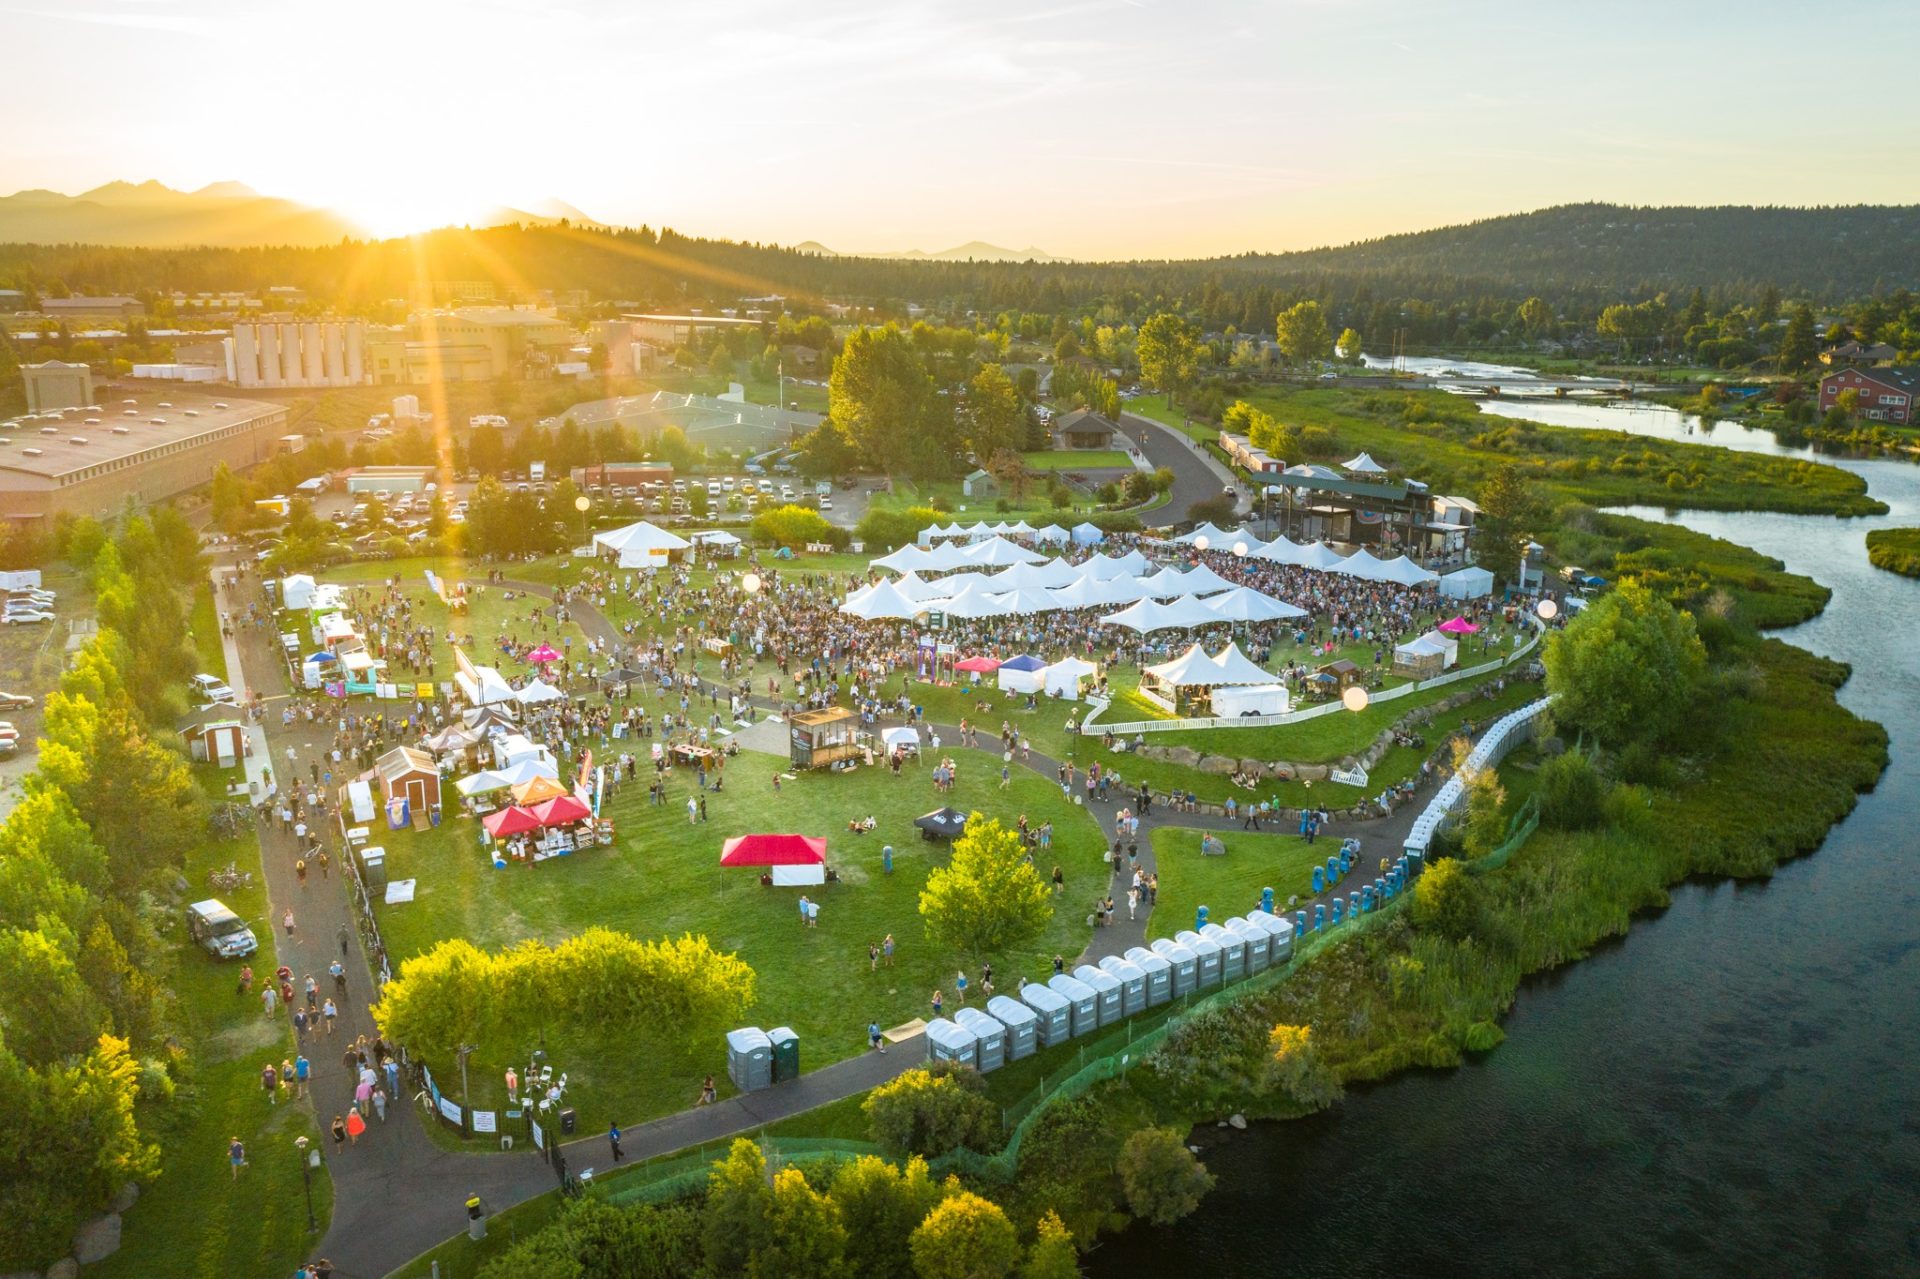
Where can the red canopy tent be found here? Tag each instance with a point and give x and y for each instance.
(1457, 626)
(561, 810)
(510, 821)
(982, 665)
(792, 859)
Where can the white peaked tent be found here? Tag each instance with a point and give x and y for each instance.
(1363, 465)
(857, 594)
(638, 545)
(1083, 592)
(1056, 573)
(1318, 555)
(1188, 611)
(951, 586)
(1244, 604)
(1124, 589)
(1087, 534)
(1363, 565)
(1404, 571)
(1024, 602)
(998, 551)
(1467, 583)
(540, 691)
(1446, 643)
(928, 535)
(1132, 564)
(1030, 577)
(1146, 617)
(1217, 537)
(1235, 667)
(1420, 658)
(1021, 529)
(1202, 580)
(915, 588)
(978, 531)
(943, 557)
(884, 602)
(484, 686)
(1053, 534)
(296, 592)
(1191, 669)
(1281, 550)
(1163, 585)
(972, 601)
(953, 530)
(1243, 545)
(907, 559)
(1062, 679)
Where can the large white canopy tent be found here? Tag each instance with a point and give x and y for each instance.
(1281, 550)
(971, 602)
(1023, 603)
(1195, 669)
(1088, 534)
(915, 587)
(1062, 679)
(1052, 533)
(638, 545)
(484, 686)
(1215, 537)
(1244, 604)
(539, 691)
(296, 592)
(1360, 564)
(1470, 583)
(1363, 465)
(945, 557)
(1132, 564)
(1150, 615)
(1404, 571)
(884, 602)
(908, 559)
(1318, 555)
(997, 551)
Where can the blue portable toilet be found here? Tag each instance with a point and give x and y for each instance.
(1233, 951)
(1279, 933)
(1199, 918)
(1319, 880)
(989, 1035)
(1158, 972)
(1206, 953)
(1019, 1023)
(1108, 1005)
(1319, 916)
(1266, 900)
(1258, 943)
(1053, 1023)
(1185, 965)
(1300, 921)
(1353, 905)
(1379, 889)
(1333, 916)
(886, 860)
(1346, 859)
(950, 1041)
(1333, 871)
(1082, 1004)
(1415, 863)
(1133, 983)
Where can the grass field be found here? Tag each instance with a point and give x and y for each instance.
(1229, 885)
(1082, 460)
(196, 1215)
(662, 878)
(1895, 549)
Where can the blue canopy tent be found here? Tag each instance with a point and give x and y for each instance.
(1021, 675)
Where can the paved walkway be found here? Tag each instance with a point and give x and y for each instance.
(397, 1193)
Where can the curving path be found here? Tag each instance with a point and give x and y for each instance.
(397, 1193)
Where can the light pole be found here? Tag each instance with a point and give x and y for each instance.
(307, 1160)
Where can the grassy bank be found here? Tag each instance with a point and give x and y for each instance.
(1895, 549)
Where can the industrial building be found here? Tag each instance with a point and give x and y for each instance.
(666, 332)
(57, 385)
(140, 450)
(472, 344)
(389, 479)
(68, 308)
(298, 353)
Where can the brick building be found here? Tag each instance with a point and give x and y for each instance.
(1886, 395)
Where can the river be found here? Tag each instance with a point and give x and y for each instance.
(1729, 1090)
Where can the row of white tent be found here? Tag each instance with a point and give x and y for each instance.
(980, 596)
(1362, 563)
(994, 552)
(1080, 534)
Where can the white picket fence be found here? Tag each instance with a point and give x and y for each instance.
(1094, 724)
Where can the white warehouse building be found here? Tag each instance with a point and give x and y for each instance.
(298, 353)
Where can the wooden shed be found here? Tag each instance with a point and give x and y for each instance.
(1343, 670)
(215, 739)
(409, 774)
(824, 737)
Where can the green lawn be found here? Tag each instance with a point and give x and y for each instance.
(809, 399)
(1079, 460)
(662, 878)
(1034, 507)
(1229, 885)
(204, 621)
(206, 1224)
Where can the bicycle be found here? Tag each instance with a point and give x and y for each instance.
(231, 878)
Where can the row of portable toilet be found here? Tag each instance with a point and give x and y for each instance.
(1098, 995)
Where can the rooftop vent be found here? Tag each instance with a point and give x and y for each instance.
(76, 439)
(31, 452)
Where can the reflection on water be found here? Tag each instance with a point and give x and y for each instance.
(1637, 417)
(1728, 1091)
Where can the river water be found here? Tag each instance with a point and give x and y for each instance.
(1730, 1090)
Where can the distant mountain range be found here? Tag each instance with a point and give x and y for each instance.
(222, 214)
(971, 251)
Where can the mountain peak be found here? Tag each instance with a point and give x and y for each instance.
(227, 191)
(118, 192)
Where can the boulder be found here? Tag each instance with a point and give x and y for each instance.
(1281, 769)
(1218, 765)
(1237, 1121)
(1310, 772)
(65, 1268)
(1183, 755)
(129, 1194)
(97, 1240)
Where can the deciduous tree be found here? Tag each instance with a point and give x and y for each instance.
(988, 897)
(1627, 668)
(965, 1237)
(1162, 1179)
(1301, 333)
(1168, 352)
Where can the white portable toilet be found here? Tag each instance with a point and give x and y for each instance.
(1233, 950)
(1185, 965)
(990, 1051)
(1019, 1023)
(1106, 989)
(1159, 974)
(749, 1058)
(1053, 1019)
(1206, 954)
(1279, 934)
(1258, 943)
(1133, 983)
(947, 1041)
(1085, 1005)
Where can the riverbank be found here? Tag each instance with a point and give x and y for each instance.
(1897, 550)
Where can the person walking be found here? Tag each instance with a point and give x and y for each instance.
(269, 1081)
(380, 1103)
(693, 810)
(236, 1155)
(886, 949)
(320, 859)
(613, 1139)
(286, 920)
(313, 992)
(960, 986)
(329, 1011)
(355, 1124)
(873, 957)
(339, 1131)
(939, 1001)
(302, 1071)
(300, 871)
(875, 1040)
(270, 998)
(341, 934)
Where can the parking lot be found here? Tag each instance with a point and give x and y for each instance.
(32, 656)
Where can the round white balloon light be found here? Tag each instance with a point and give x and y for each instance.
(750, 583)
(1355, 698)
(1548, 609)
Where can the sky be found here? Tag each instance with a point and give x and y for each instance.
(1085, 128)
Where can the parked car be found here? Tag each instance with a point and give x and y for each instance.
(14, 701)
(213, 689)
(218, 931)
(25, 615)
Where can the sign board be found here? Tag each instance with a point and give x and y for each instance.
(539, 1133)
(485, 1121)
(450, 1110)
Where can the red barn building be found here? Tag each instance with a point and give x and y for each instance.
(1886, 395)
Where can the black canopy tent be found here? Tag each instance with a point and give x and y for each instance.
(944, 823)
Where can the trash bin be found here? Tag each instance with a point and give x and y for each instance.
(1020, 1024)
(786, 1053)
(1159, 974)
(1206, 954)
(1106, 993)
(990, 1049)
(950, 1041)
(749, 1058)
(373, 869)
(1133, 983)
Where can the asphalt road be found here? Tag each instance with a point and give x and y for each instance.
(1196, 473)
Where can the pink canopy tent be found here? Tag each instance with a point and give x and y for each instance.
(981, 665)
(543, 655)
(510, 821)
(1457, 626)
(561, 810)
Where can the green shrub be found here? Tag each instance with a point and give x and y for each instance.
(1573, 795)
(1446, 899)
(1163, 1180)
(931, 1110)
